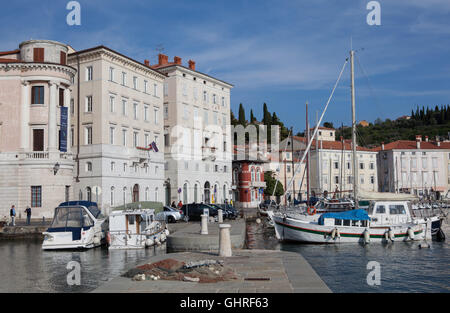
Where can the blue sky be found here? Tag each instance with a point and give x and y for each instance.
(283, 53)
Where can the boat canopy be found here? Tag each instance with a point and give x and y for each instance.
(91, 206)
(354, 215)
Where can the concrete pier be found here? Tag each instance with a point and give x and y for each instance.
(189, 237)
(266, 271)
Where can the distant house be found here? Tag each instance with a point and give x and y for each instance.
(364, 123)
(404, 117)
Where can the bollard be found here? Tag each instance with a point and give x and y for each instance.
(204, 230)
(220, 215)
(224, 240)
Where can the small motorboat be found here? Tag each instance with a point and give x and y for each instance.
(135, 229)
(76, 225)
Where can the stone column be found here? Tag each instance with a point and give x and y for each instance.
(52, 123)
(67, 98)
(225, 240)
(204, 230)
(25, 117)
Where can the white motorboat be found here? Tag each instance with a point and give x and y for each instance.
(135, 229)
(76, 225)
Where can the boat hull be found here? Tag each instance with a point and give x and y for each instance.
(293, 230)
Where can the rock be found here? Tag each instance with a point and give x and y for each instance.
(139, 277)
(191, 279)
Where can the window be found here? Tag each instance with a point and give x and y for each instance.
(372, 179)
(88, 194)
(166, 111)
(145, 86)
(336, 179)
(223, 101)
(336, 165)
(348, 165)
(37, 95)
(205, 96)
(113, 166)
(36, 196)
(195, 93)
(88, 135)
(135, 82)
(396, 209)
(63, 58)
(166, 89)
(156, 115)
(214, 99)
(124, 107)
(89, 73)
(88, 166)
(124, 167)
(215, 118)
(72, 138)
(435, 162)
(135, 111)
(135, 139)
(288, 169)
(38, 55)
(155, 90)
(372, 166)
(112, 104)
(146, 113)
(72, 106)
(124, 79)
(146, 140)
(88, 105)
(381, 209)
(361, 179)
(111, 135)
(112, 196)
(361, 166)
(124, 137)
(205, 117)
(111, 74)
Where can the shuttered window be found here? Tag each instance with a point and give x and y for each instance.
(38, 54)
(63, 58)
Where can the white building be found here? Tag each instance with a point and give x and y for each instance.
(36, 167)
(197, 134)
(118, 114)
(331, 165)
(417, 167)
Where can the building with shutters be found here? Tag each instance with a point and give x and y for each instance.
(117, 112)
(36, 163)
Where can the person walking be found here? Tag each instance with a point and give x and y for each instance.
(12, 214)
(28, 211)
(180, 204)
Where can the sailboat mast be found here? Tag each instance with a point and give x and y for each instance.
(307, 156)
(355, 167)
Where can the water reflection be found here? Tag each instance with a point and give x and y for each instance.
(26, 268)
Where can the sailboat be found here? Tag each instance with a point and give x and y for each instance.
(388, 220)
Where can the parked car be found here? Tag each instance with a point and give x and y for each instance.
(229, 211)
(193, 211)
(170, 215)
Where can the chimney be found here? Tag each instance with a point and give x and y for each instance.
(382, 146)
(162, 59)
(177, 60)
(147, 62)
(419, 138)
(192, 65)
(426, 138)
(438, 143)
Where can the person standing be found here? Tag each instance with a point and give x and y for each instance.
(12, 214)
(180, 204)
(28, 211)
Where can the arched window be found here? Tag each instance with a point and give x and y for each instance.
(253, 174)
(185, 193)
(224, 193)
(156, 194)
(235, 176)
(147, 191)
(258, 174)
(196, 193)
(88, 194)
(112, 196)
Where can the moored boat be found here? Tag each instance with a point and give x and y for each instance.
(76, 225)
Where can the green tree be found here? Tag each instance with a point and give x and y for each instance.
(270, 185)
(241, 116)
(252, 117)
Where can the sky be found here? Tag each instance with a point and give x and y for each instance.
(282, 53)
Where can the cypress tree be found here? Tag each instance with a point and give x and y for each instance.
(241, 117)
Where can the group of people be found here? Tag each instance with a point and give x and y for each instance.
(176, 206)
(12, 215)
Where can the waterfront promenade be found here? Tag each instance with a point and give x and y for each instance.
(266, 271)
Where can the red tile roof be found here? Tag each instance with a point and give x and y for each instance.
(412, 145)
(332, 145)
(9, 52)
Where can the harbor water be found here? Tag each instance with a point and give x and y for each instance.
(404, 267)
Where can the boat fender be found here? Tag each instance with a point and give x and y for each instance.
(333, 233)
(391, 235)
(96, 240)
(149, 242)
(410, 233)
(366, 236)
(338, 234)
(311, 210)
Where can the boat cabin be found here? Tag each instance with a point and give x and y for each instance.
(131, 221)
(354, 218)
(389, 212)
